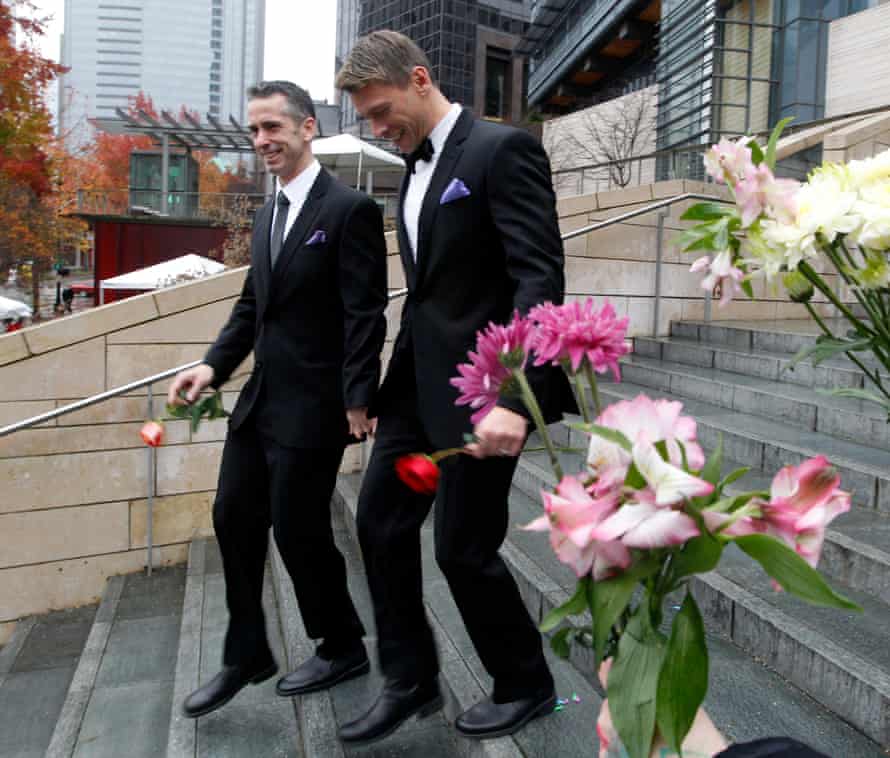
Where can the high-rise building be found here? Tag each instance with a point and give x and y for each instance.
(201, 54)
(711, 68)
(469, 43)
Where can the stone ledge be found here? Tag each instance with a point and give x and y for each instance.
(860, 693)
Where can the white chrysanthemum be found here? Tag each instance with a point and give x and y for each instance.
(874, 232)
(871, 170)
(823, 205)
(773, 246)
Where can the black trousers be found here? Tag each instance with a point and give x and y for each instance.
(470, 524)
(263, 484)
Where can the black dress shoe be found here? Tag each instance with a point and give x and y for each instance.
(396, 704)
(223, 687)
(490, 719)
(319, 673)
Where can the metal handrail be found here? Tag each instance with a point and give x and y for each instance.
(659, 241)
(94, 400)
(393, 295)
(642, 211)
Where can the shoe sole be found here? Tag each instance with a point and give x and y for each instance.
(542, 710)
(257, 679)
(422, 711)
(355, 671)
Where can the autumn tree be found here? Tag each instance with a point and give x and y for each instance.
(26, 223)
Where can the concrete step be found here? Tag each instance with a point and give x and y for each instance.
(746, 700)
(119, 699)
(257, 721)
(785, 336)
(835, 372)
(321, 714)
(37, 665)
(570, 732)
(849, 678)
(767, 445)
(845, 418)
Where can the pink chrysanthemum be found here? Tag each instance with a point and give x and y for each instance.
(577, 331)
(499, 351)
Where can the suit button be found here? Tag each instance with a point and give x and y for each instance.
(258, 365)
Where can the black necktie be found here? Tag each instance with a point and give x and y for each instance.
(423, 152)
(278, 230)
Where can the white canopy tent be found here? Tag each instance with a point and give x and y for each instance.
(344, 151)
(164, 274)
(10, 308)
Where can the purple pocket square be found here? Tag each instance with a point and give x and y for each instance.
(318, 238)
(455, 190)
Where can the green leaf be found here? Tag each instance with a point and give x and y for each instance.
(827, 347)
(733, 476)
(608, 599)
(610, 435)
(707, 212)
(698, 556)
(683, 681)
(560, 642)
(711, 471)
(177, 411)
(195, 413)
(774, 141)
(633, 683)
(757, 156)
(721, 235)
(634, 479)
(576, 605)
(858, 394)
(791, 571)
(747, 288)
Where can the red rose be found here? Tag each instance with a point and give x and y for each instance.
(419, 472)
(153, 433)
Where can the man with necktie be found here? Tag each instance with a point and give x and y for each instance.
(311, 310)
(478, 238)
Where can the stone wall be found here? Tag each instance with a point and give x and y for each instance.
(858, 62)
(73, 509)
(619, 262)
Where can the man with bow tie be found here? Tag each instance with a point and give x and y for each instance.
(478, 238)
(311, 310)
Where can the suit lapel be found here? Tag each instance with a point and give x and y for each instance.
(302, 225)
(401, 232)
(451, 152)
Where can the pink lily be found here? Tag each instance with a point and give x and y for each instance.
(804, 500)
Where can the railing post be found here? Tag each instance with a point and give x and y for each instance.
(659, 243)
(149, 521)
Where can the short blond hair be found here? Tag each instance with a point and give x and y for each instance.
(385, 57)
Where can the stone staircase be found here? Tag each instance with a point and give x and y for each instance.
(109, 681)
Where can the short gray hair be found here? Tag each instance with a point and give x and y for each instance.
(384, 56)
(299, 105)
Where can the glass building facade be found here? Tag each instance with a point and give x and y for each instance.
(722, 67)
(455, 35)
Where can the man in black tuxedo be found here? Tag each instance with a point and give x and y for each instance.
(311, 310)
(478, 237)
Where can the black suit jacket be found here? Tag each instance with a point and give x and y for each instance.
(478, 258)
(315, 323)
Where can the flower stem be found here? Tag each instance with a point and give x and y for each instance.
(531, 402)
(580, 396)
(875, 377)
(447, 453)
(818, 282)
(594, 390)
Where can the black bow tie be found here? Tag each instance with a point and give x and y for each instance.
(423, 152)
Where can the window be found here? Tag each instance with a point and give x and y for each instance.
(497, 84)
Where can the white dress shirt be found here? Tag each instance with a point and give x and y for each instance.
(296, 191)
(419, 181)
